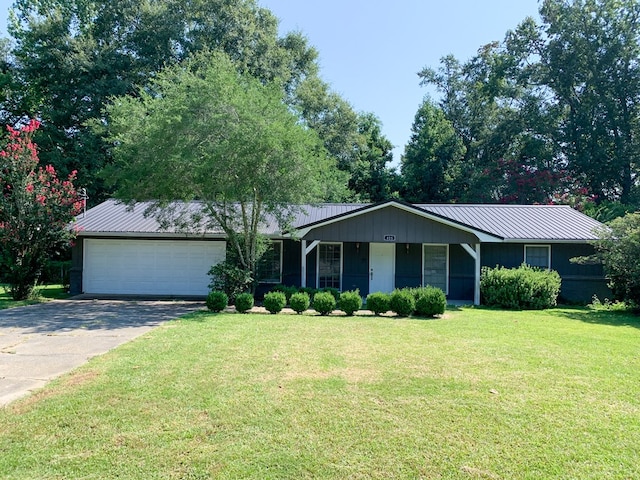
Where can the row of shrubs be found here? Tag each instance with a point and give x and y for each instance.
(423, 302)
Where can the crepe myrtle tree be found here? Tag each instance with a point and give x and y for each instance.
(36, 208)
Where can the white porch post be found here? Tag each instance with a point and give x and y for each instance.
(475, 254)
(476, 293)
(303, 264)
(306, 249)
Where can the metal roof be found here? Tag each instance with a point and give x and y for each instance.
(115, 218)
(509, 222)
(522, 222)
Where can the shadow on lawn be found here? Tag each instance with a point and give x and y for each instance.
(616, 319)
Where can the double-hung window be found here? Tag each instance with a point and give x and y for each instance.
(538, 256)
(329, 265)
(436, 266)
(270, 265)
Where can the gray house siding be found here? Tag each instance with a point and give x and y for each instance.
(291, 261)
(355, 267)
(461, 274)
(509, 255)
(405, 227)
(579, 282)
(408, 265)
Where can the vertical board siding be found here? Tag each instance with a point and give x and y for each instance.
(355, 269)
(291, 262)
(461, 274)
(408, 265)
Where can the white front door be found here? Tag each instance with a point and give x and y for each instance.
(382, 267)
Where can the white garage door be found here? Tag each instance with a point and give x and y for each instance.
(149, 267)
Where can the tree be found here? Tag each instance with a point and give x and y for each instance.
(583, 60)
(35, 211)
(432, 158)
(371, 179)
(618, 248)
(203, 132)
(354, 140)
(71, 56)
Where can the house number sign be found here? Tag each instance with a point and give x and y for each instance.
(389, 238)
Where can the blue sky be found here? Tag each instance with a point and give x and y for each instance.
(371, 51)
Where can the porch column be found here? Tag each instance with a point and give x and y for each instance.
(306, 249)
(303, 265)
(475, 254)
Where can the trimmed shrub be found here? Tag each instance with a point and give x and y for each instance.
(274, 302)
(244, 302)
(217, 301)
(309, 291)
(324, 303)
(378, 302)
(300, 302)
(350, 302)
(288, 291)
(402, 302)
(333, 291)
(522, 288)
(430, 301)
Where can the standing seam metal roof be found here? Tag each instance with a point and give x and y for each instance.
(511, 222)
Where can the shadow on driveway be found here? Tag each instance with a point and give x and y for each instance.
(65, 315)
(40, 342)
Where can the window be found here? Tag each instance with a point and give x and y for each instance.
(329, 265)
(270, 265)
(436, 266)
(538, 256)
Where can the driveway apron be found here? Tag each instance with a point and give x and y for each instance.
(40, 342)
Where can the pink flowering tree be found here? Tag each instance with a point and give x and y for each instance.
(36, 208)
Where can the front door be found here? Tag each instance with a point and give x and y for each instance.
(382, 263)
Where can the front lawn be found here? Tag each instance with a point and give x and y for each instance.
(478, 394)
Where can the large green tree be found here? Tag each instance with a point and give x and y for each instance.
(202, 131)
(433, 158)
(71, 56)
(355, 140)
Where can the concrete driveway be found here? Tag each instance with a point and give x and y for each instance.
(40, 342)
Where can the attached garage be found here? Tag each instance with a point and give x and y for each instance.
(149, 267)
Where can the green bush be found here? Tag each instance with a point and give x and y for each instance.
(430, 301)
(402, 302)
(227, 277)
(378, 302)
(618, 249)
(350, 302)
(217, 301)
(522, 288)
(300, 302)
(274, 302)
(333, 291)
(244, 302)
(309, 291)
(324, 303)
(288, 291)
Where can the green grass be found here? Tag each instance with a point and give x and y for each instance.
(478, 394)
(42, 293)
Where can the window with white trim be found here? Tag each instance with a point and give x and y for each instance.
(270, 265)
(538, 256)
(435, 263)
(329, 265)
